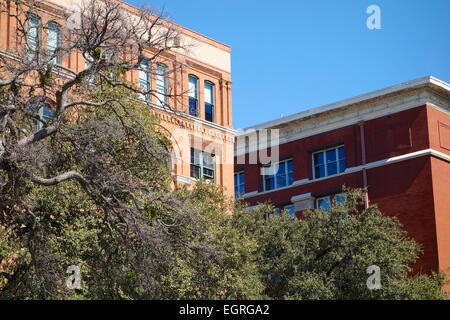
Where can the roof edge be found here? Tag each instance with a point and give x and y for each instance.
(412, 84)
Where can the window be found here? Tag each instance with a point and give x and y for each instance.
(161, 84)
(324, 203)
(193, 95)
(340, 198)
(290, 209)
(33, 35)
(45, 114)
(88, 62)
(54, 41)
(209, 101)
(144, 79)
(202, 165)
(329, 162)
(283, 178)
(239, 184)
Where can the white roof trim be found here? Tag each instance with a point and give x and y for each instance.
(413, 84)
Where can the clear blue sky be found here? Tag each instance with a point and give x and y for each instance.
(292, 55)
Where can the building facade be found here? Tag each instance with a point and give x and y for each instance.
(199, 119)
(393, 142)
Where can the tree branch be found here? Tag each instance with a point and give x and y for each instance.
(71, 175)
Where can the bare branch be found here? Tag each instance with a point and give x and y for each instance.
(71, 175)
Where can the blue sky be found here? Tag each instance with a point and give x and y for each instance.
(293, 55)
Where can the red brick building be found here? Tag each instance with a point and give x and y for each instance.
(395, 142)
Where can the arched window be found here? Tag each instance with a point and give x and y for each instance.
(33, 35)
(209, 101)
(54, 41)
(161, 84)
(193, 96)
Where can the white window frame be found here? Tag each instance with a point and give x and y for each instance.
(56, 28)
(145, 83)
(43, 119)
(342, 194)
(331, 199)
(161, 78)
(285, 208)
(33, 43)
(213, 99)
(238, 175)
(286, 172)
(323, 198)
(194, 94)
(324, 151)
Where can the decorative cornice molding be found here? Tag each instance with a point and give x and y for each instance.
(194, 124)
(350, 115)
(59, 70)
(425, 82)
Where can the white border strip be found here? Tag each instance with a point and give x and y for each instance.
(371, 165)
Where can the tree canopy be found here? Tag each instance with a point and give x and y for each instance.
(90, 187)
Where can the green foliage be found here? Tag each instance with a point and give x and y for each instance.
(326, 255)
(135, 238)
(227, 270)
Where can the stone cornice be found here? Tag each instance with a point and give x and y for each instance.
(352, 114)
(195, 125)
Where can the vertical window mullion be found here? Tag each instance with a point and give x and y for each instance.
(201, 166)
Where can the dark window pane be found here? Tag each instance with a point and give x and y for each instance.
(340, 199)
(290, 210)
(290, 165)
(209, 112)
(193, 107)
(192, 156)
(319, 172)
(319, 159)
(47, 113)
(342, 166)
(331, 156)
(281, 180)
(195, 172)
(242, 188)
(208, 174)
(290, 170)
(269, 182)
(341, 153)
(324, 204)
(281, 168)
(332, 168)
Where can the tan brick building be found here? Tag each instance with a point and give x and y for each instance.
(199, 119)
